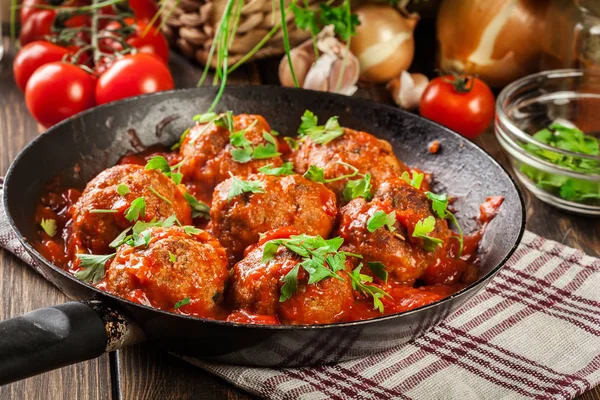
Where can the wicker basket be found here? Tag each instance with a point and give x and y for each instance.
(192, 24)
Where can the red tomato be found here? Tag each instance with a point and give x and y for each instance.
(144, 10)
(33, 56)
(153, 42)
(464, 104)
(28, 9)
(37, 26)
(57, 91)
(133, 75)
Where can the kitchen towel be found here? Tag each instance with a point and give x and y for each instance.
(533, 332)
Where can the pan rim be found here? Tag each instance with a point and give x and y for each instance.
(230, 90)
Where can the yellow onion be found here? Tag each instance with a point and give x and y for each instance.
(384, 42)
(499, 41)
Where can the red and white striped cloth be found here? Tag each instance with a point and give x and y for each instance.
(533, 332)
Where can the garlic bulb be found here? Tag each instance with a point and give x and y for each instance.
(499, 41)
(384, 42)
(407, 89)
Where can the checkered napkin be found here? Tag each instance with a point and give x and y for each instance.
(533, 332)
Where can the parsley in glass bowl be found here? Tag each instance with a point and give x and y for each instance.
(549, 123)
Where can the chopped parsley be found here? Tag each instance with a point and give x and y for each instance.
(358, 188)
(290, 284)
(172, 257)
(122, 189)
(320, 134)
(293, 143)
(49, 226)
(414, 180)
(378, 269)
(181, 140)
(199, 208)
(100, 211)
(243, 151)
(239, 186)
(571, 139)
(380, 219)
(160, 196)
(424, 227)
(313, 20)
(192, 230)
(360, 282)
(160, 163)
(93, 267)
(439, 205)
(136, 210)
(317, 174)
(285, 169)
(181, 303)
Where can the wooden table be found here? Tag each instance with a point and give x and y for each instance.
(141, 371)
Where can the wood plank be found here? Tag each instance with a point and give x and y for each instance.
(21, 289)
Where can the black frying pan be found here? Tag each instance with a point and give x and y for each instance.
(72, 332)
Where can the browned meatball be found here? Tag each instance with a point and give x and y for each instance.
(174, 266)
(207, 153)
(403, 255)
(93, 228)
(359, 149)
(257, 287)
(287, 201)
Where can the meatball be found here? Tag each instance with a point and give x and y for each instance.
(256, 288)
(403, 255)
(359, 149)
(207, 153)
(287, 201)
(173, 266)
(93, 228)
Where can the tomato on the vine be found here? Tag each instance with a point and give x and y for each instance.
(58, 90)
(133, 75)
(34, 55)
(152, 42)
(144, 10)
(37, 26)
(464, 104)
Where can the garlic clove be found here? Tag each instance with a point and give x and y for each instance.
(407, 89)
(303, 58)
(351, 74)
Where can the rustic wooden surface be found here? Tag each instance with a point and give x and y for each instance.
(142, 372)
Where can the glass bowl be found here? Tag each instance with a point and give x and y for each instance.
(561, 165)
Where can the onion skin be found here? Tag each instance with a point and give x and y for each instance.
(384, 42)
(499, 41)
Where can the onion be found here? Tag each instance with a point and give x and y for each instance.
(499, 41)
(407, 89)
(384, 42)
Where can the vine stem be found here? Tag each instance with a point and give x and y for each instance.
(94, 33)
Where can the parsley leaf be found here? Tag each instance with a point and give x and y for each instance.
(239, 186)
(98, 211)
(49, 226)
(136, 209)
(93, 267)
(285, 169)
(439, 204)
(422, 229)
(199, 208)
(306, 19)
(160, 163)
(122, 238)
(358, 188)
(172, 257)
(378, 269)
(338, 17)
(181, 303)
(293, 143)
(243, 151)
(192, 230)
(181, 140)
(380, 219)
(317, 174)
(360, 284)
(160, 196)
(204, 118)
(290, 284)
(414, 181)
(122, 189)
(320, 134)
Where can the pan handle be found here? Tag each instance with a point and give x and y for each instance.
(53, 337)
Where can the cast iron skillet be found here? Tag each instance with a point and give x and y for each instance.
(84, 145)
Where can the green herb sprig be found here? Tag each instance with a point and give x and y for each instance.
(439, 205)
(320, 134)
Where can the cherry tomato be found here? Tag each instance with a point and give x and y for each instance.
(133, 75)
(464, 104)
(33, 56)
(144, 10)
(153, 42)
(37, 26)
(28, 8)
(57, 91)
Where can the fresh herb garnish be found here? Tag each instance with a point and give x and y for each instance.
(199, 208)
(243, 151)
(439, 205)
(415, 180)
(285, 169)
(320, 134)
(122, 189)
(141, 232)
(160, 163)
(424, 227)
(317, 174)
(358, 188)
(172, 257)
(571, 139)
(378, 269)
(136, 209)
(290, 284)
(191, 230)
(93, 267)
(100, 211)
(160, 196)
(205, 118)
(181, 303)
(49, 226)
(380, 219)
(181, 140)
(360, 282)
(293, 143)
(239, 186)
(313, 20)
